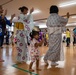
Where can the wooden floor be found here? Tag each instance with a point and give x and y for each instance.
(9, 67)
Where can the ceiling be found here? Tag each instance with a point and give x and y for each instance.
(42, 5)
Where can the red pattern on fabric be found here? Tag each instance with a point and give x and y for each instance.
(21, 44)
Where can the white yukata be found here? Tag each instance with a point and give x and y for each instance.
(55, 25)
(21, 35)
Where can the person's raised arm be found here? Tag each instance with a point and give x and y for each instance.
(29, 16)
(12, 16)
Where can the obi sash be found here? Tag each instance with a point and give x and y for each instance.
(19, 25)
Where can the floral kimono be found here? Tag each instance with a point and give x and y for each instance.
(55, 25)
(34, 52)
(24, 29)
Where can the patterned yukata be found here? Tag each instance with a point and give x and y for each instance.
(55, 25)
(21, 37)
(34, 52)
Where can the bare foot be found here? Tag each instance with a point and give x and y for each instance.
(46, 64)
(38, 69)
(48, 67)
(31, 70)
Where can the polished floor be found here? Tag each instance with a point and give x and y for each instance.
(9, 66)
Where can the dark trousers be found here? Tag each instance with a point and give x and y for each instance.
(68, 41)
(1, 40)
(74, 40)
(7, 39)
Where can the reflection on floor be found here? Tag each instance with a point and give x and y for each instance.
(66, 67)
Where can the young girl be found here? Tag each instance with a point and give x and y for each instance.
(22, 29)
(34, 52)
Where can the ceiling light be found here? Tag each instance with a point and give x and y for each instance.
(9, 17)
(36, 11)
(71, 24)
(73, 17)
(43, 25)
(67, 3)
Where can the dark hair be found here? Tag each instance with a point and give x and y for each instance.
(12, 32)
(22, 8)
(67, 29)
(34, 33)
(54, 9)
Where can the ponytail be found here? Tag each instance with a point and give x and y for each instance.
(31, 35)
(22, 8)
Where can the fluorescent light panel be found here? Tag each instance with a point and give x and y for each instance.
(73, 17)
(9, 17)
(43, 25)
(71, 24)
(36, 11)
(67, 3)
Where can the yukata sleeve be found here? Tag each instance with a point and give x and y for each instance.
(63, 21)
(29, 17)
(25, 18)
(49, 28)
(30, 22)
(22, 17)
(48, 22)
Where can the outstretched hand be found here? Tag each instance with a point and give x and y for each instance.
(5, 13)
(31, 10)
(68, 15)
(12, 16)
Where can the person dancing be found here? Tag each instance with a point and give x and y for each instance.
(55, 24)
(21, 35)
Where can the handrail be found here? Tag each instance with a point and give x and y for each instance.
(6, 2)
(46, 18)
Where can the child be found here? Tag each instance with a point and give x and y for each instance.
(68, 38)
(34, 52)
